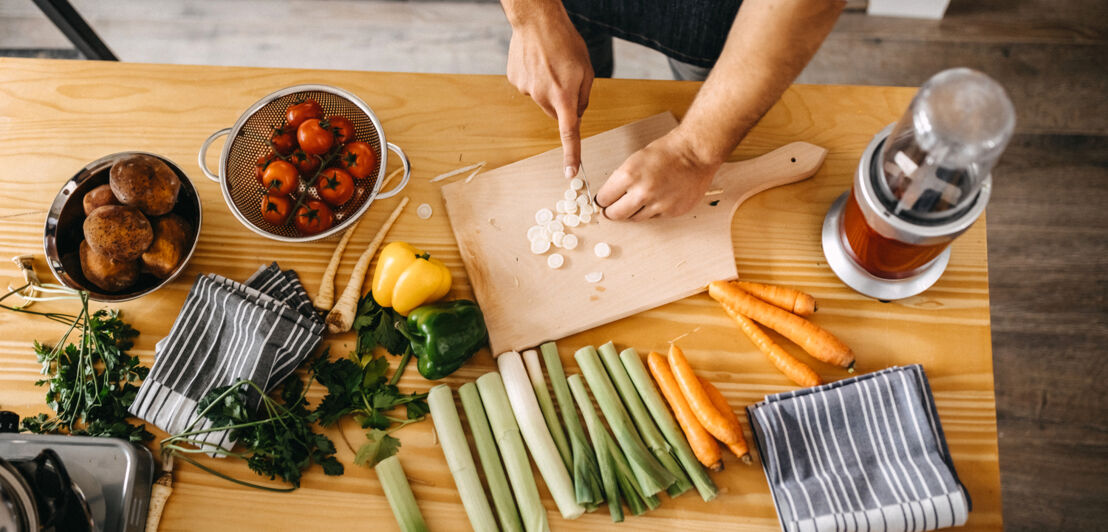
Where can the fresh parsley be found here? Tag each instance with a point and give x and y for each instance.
(362, 390)
(91, 382)
(377, 325)
(276, 440)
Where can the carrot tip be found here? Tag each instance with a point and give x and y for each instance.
(850, 368)
(747, 459)
(717, 467)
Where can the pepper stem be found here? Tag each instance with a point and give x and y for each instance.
(403, 364)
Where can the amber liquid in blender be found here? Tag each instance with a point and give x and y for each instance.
(881, 256)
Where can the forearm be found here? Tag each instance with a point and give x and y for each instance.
(769, 44)
(528, 13)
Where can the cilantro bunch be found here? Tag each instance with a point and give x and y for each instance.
(90, 382)
(276, 439)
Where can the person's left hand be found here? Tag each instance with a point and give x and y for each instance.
(666, 178)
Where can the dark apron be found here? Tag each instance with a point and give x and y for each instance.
(690, 31)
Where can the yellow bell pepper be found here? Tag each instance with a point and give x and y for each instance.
(407, 278)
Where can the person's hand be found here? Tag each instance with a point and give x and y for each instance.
(666, 178)
(548, 60)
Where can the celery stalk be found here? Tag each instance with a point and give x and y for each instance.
(456, 449)
(649, 474)
(400, 496)
(642, 419)
(490, 459)
(586, 476)
(538, 383)
(660, 412)
(508, 439)
(605, 449)
(533, 427)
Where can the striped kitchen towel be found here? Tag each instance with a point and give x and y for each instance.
(260, 330)
(861, 454)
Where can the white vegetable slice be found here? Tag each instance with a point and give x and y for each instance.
(534, 232)
(569, 242)
(540, 246)
(577, 183)
(586, 209)
(585, 218)
(572, 220)
(594, 277)
(423, 211)
(570, 195)
(555, 261)
(561, 218)
(543, 215)
(554, 226)
(558, 238)
(583, 200)
(602, 250)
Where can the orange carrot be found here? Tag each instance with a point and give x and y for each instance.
(704, 446)
(790, 299)
(720, 402)
(698, 399)
(816, 341)
(794, 369)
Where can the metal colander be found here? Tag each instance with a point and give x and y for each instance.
(248, 141)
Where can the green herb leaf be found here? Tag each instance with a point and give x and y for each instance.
(379, 447)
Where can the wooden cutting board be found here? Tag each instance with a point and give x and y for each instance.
(652, 262)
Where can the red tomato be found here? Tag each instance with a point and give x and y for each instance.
(307, 164)
(314, 138)
(284, 139)
(275, 209)
(314, 217)
(297, 113)
(358, 159)
(335, 186)
(262, 164)
(280, 177)
(342, 127)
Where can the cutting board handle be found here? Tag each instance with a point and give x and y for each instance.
(790, 163)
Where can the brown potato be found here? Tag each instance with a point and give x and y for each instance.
(119, 232)
(98, 197)
(171, 239)
(145, 182)
(107, 273)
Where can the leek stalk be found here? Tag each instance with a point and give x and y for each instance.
(452, 439)
(649, 431)
(532, 425)
(478, 422)
(632, 362)
(510, 442)
(586, 472)
(649, 474)
(400, 496)
(538, 383)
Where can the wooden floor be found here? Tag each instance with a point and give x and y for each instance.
(1048, 218)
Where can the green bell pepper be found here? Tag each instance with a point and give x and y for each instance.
(445, 335)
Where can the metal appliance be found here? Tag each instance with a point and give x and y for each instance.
(59, 483)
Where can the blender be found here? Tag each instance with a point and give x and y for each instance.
(920, 183)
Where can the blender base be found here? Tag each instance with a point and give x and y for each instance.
(864, 282)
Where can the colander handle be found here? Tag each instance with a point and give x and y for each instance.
(202, 158)
(403, 180)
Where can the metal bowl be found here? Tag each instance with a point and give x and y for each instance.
(64, 229)
(248, 140)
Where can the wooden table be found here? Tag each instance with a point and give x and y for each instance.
(55, 116)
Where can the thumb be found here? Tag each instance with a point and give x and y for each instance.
(569, 126)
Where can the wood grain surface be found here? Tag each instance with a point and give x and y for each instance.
(55, 116)
(527, 303)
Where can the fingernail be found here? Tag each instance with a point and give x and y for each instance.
(570, 172)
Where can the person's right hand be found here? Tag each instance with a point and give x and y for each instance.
(548, 60)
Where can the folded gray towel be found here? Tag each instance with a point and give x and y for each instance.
(865, 453)
(261, 330)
